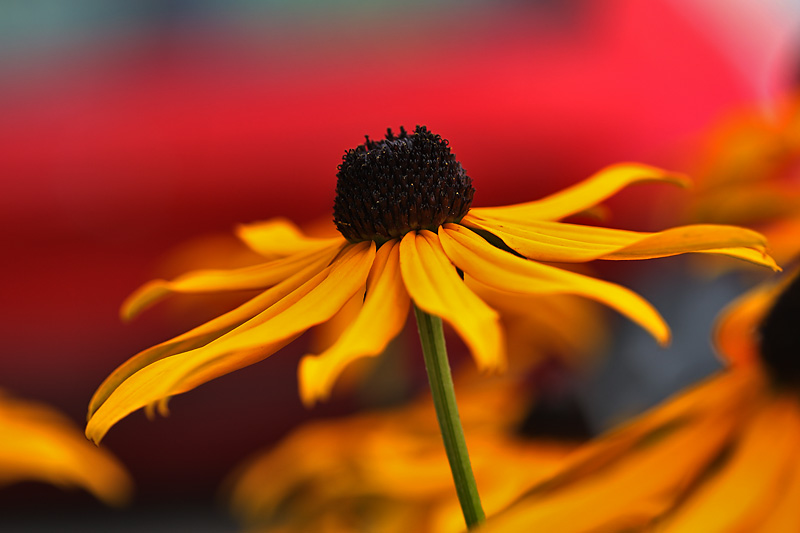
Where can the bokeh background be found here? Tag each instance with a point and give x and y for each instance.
(134, 136)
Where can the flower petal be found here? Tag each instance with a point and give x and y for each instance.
(278, 238)
(312, 303)
(583, 195)
(735, 335)
(202, 281)
(436, 288)
(41, 444)
(381, 318)
(573, 243)
(504, 271)
(627, 493)
(749, 482)
(618, 482)
(783, 515)
(208, 331)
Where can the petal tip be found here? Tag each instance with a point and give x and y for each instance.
(142, 298)
(651, 172)
(93, 433)
(664, 338)
(308, 387)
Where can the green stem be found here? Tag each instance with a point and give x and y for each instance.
(444, 400)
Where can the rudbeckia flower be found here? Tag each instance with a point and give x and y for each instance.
(720, 457)
(38, 443)
(387, 470)
(748, 175)
(409, 233)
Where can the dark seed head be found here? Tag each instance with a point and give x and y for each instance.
(406, 182)
(780, 337)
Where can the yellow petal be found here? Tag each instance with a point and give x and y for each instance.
(748, 484)
(209, 331)
(572, 243)
(381, 318)
(783, 515)
(553, 241)
(620, 482)
(278, 238)
(202, 281)
(626, 495)
(736, 327)
(506, 272)
(751, 255)
(312, 303)
(583, 195)
(705, 238)
(436, 288)
(40, 444)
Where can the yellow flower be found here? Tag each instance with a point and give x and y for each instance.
(749, 173)
(403, 206)
(37, 443)
(387, 470)
(721, 457)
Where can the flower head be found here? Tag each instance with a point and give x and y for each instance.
(404, 183)
(729, 443)
(400, 206)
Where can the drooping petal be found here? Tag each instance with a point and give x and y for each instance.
(40, 444)
(202, 281)
(506, 272)
(619, 481)
(310, 304)
(735, 330)
(619, 497)
(435, 287)
(583, 195)
(381, 318)
(749, 483)
(208, 331)
(573, 243)
(729, 395)
(783, 515)
(278, 238)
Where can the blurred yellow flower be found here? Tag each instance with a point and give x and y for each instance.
(749, 174)
(387, 470)
(37, 443)
(403, 206)
(721, 457)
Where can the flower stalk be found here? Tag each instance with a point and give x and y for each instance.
(444, 399)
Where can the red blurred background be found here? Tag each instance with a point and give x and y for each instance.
(131, 130)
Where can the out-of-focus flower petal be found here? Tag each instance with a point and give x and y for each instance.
(279, 237)
(750, 481)
(602, 486)
(747, 175)
(784, 515)
(40, 444)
